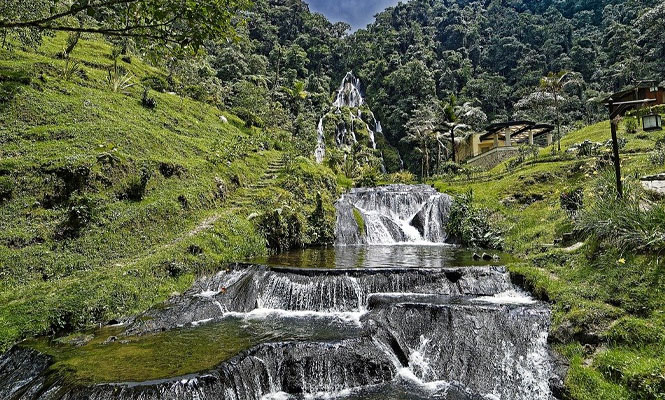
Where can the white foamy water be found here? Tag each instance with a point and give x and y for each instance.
(507, 297)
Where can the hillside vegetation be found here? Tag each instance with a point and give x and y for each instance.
(108, 206)
(605, 281)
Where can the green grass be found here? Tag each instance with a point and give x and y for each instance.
(72, 148)
(608, 302)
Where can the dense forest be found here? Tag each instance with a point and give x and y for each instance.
(282, 63)
(491, 55)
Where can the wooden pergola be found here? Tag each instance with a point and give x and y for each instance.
(517, 132)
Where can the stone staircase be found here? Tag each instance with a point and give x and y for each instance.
(244, 197)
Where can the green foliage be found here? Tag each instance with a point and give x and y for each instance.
(360, 222)
(472, 226)
(155, 82)
(251, 119)
(187, 24)
(136, 185)
(282, 228)
(657, 155)
(630, 125)
(623, 223)
(118, 81)
(79, 215)
(572, 201)
(147, 101)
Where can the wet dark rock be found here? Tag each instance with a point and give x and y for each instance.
(487, 257)
(243, 287)
(476, 256)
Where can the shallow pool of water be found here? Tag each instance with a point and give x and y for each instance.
(375, 256)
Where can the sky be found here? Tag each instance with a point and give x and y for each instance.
(358, 13)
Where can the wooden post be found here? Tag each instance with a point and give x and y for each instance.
(496, 140)
(531, 138)
(452, 139)
(615, 145)
(617, 161)
(549, 139)
(508, 138)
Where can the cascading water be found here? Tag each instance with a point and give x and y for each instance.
(352, 119)
(320, 151)
(348, 332)
(392, 214)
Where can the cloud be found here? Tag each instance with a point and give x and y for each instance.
(358, 13)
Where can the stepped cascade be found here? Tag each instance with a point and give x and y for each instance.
(348, 331)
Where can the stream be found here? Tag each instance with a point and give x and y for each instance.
(391, 312)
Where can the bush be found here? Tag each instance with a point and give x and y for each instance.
(572, 201)
(147, 101)
(196, 92)
(367, 178)
(79, 215)
(622, 223)
(6, 188)
(404, 177)
(470, 226)
(282, 228)
(136, 185)
(155, 82)
(249, 117)
(657, 156)
(630, 124)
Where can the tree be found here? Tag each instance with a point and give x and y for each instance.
(420, 132)
(184, 23)
(555, 84)
(450, 122)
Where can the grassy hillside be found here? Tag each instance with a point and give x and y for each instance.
(107, 206)
(609, 300)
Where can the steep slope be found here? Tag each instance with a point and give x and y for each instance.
(107, 205)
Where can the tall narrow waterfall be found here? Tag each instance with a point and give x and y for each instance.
(392, 214)
(320, 151)
(348, 121)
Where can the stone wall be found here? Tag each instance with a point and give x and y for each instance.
(493, 157)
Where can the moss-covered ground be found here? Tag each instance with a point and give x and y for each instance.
(609, 304)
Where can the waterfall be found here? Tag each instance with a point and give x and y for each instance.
(392, 214)
(348, 130)
(348, 94)
(423, 331)
(320, 151)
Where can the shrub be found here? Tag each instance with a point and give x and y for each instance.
(147, 101)
(572, 201)
(155, 82)
(136, 185)
(470, 225)
(622, 223)
(657, 156)
(6, 188)
(249, 117)
(630, 124)
(367, 178)
(196, 92)
(79, 215)
(404, 177)
(282, 228)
